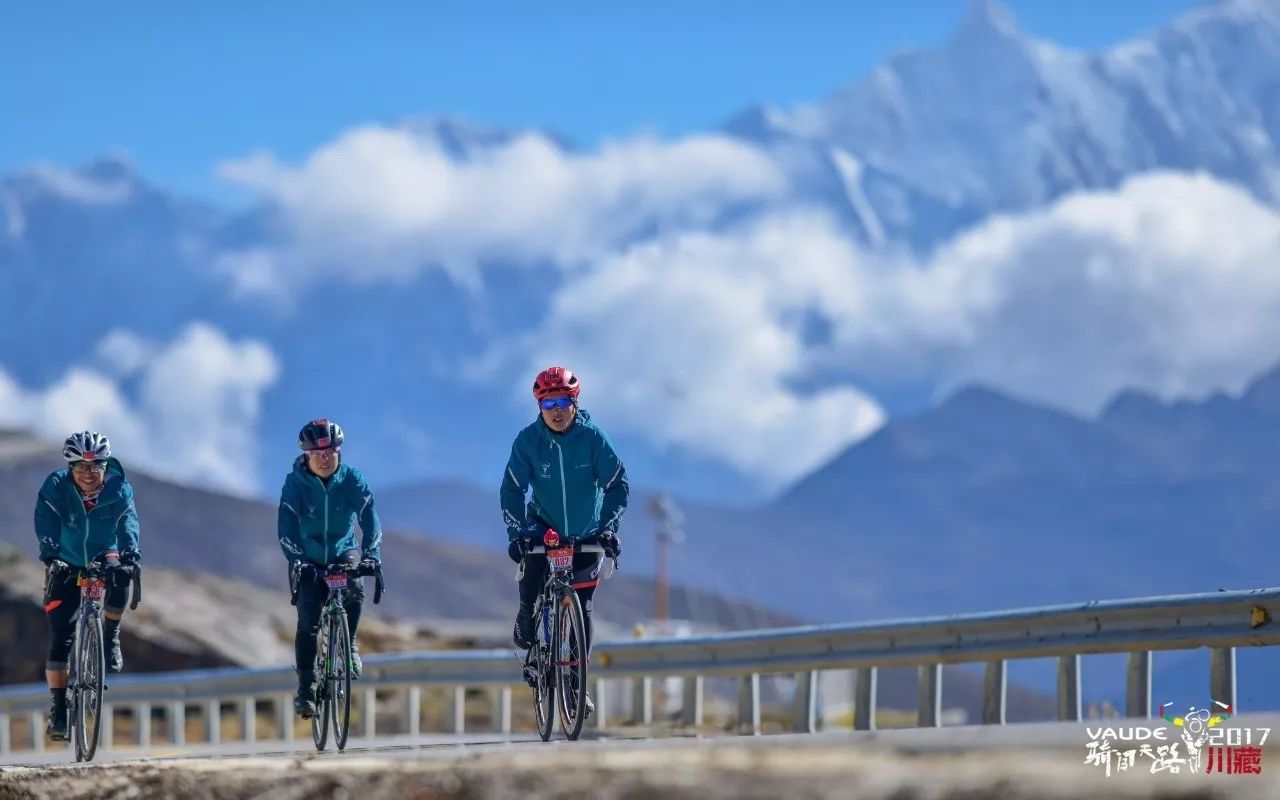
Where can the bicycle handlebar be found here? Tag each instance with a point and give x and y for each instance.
(538, 550)
(352, 570)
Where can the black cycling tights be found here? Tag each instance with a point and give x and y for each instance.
(61, 601)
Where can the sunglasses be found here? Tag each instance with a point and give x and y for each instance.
(88, 466)
(324, 451)
(555, 402)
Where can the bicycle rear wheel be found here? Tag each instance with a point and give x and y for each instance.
(544, 692)
(340, 683)
(320, 721)
(571, 664)
(90, 667)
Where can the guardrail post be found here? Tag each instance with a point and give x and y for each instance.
(864, 700)
(369, 712)
(1137, 699)
(749, 704)
(106, 733)
(501, 700)
(413, 710)
(36, 720)
(1069, 688)
(212, 721)
(691, 702)
(1222, 676)
(6, 743)
(284, 717)
(177, 722)
(143, 712)
(806, 702)
(929, 712)
(642, 700)
(602, 707)
(248, 719)
(995, 686)
(458, 705)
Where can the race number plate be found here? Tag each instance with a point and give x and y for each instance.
(93, 589)
(561, 558)
(335, 581)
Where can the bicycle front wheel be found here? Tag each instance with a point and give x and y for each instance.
(90, 667)
(571, 664)
(544, 690)
(339, 700)
(320, 721)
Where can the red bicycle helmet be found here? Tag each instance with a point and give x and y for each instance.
(556, 382)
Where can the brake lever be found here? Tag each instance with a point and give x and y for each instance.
(137, 587)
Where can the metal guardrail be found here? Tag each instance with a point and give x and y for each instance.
(1221, 621)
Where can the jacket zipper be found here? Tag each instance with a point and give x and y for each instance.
(325, 489)
(564, 491)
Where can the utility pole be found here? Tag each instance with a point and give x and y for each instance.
(669, 520)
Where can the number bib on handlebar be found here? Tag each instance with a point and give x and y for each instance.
(561, 558)
(92, 588)
(335, 581)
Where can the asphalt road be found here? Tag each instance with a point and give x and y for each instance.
(970, 762)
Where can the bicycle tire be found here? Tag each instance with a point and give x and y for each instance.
(320, 721)
(571, 664)
(91, 664)
(544, 692)
(340, 685)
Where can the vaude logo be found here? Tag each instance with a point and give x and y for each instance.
(1128, 734)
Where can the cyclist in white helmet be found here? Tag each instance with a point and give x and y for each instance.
(84, 513)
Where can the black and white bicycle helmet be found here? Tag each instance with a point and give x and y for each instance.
(86, 446)
(319, 434)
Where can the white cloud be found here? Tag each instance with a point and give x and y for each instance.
(79, 187)
(195, 412)
(1167, 283)
(382, 203)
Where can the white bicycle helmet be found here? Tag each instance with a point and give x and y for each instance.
(86, 446)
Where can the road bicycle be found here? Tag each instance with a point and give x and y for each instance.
(555, 665)
(333, 651)
(85, 677)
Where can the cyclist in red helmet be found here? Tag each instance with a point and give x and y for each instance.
(579, 489)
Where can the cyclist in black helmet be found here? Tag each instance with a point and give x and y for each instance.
(322, 499)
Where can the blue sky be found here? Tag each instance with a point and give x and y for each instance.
(181, 87)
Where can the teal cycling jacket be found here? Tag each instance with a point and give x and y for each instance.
(317, 522)
(67, 532)
(579, 484)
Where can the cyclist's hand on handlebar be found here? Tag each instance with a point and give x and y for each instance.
(368, 566)
(119, 575)
(57, 567)
(309, 573)
(611, 543)
(518, 549)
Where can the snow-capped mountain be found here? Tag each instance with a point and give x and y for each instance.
(998, 121)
